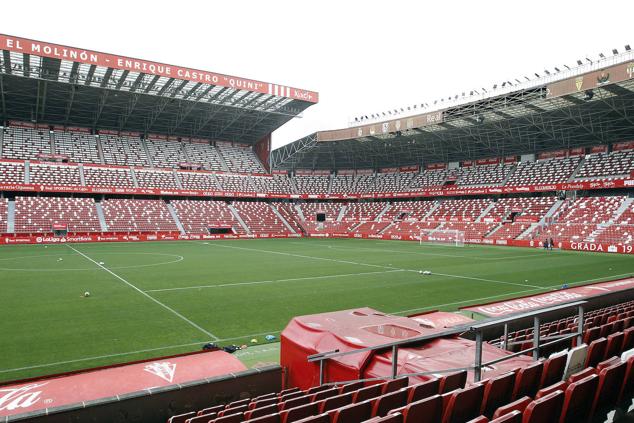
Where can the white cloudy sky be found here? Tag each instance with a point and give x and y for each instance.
(361, 56)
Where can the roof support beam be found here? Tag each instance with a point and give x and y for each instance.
(69, 105)
(100, 106)
(2, 100)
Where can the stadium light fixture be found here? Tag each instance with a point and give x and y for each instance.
(536, 74)
(527, 78)
(509, 82)
(579, 62)
(557, 69)
(503, 84)
(589, 60)
(589, 95)
(546, 72)
(601, 56)
(567, 67)
(518, 81)
(627, 47)
(615, 51)
(495, 86)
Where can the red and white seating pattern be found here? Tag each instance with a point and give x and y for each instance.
(509, 230)
(276, 184)
(607, 165)
(532, 208)
(25, 143)
(203, 154)
(39, 214)
(4, 206)
(123, 150)
(343, 184)
(310, 210)
(240, 159)
(12, 172)
(430, 178)
(49, 174)
(107, 177)
(166, 154)
(460, 210)
(260, 218)
(364, 183)
(409, 228)
(550, 171)
(409, 210)
(235, 183)
(370, 228)
(312, 184)
(288, 212)
(155, 178)
(198, 180)
(127, 215)
(484, 175)
(357, 212)
(198, 216)
(392, 182)
(79, 147)
(472, 230)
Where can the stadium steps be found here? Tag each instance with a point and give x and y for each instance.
(185, 154)
(332, 176)
(552, 211)
(27, 172)
(601, 227)
(147, 152)
(342, 212)
(80, 169)
(51, 139)
(100, 150)
(379, 216)
(528, 230)
(505, 180)
(179, 225)
(235, 214)
(486, 210)
(133, 175)
(11, 217)
(494, 230)
(101, 216)
(277, 213)
(177, 179)
(299, 212)
(622, 209)
(577, 169)
(386, 228)
(223, 163)
(431, 211)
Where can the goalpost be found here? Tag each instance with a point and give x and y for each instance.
(449, 237)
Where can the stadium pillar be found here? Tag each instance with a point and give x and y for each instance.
(394, 361)
(505, 341)
(535, 338)
(477, 365)
(580, 326)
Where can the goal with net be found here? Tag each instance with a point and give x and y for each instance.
(442, 237)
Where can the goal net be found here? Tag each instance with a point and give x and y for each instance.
(442, 237)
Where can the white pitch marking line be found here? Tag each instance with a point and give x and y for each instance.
(168, 308)
(275, 281)
(372, 265)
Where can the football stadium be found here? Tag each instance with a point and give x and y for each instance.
(467, 260)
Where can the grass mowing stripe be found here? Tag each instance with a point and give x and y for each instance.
(224, 285)
(166, 307)
(484, 280)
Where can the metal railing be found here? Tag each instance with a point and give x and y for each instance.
(477, 329)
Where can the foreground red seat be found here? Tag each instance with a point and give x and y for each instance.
(544, 410)
(367, 393)
(553, 370)
(321, 418)
(428, 410)
(298, 413)
(180, 418)
(512, 417)
(527, 380)
(383, 404)
(423, 390)
(271, 418)
(497, 391)
(578, 400)
(610, 384)
(596, 352)
(453, 381)
(517, 405)
(353, 413)
(394, 385)
(335, 402)
(614, 346)
(464, 404)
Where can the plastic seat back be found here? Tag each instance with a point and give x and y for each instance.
(453, 381)
(497, 392)
(554, 368)
(423, 390)
(544, 410)
(352, 413)
(464, 404)
(578, 400)
(517, 405)
(527, 380)
(428, 410)
(387, 402)
(596, 352)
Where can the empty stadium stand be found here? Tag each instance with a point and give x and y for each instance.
(40, 214)
(127, 215)
(79, 147)
(199, 216)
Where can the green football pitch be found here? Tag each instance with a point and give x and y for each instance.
(161, 298)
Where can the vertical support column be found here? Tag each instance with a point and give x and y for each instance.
(536, 338)
(580, 324)
(394, 361)
(505, 340)
(321, 372)
(477, 369)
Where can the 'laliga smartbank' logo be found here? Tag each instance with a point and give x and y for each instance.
(165, 370)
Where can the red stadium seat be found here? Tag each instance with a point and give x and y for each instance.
(519, 405)
(381, 405)
(428, 410)
(321, 395)
(367, 393)
(233, 410)
(271, 418)
(628, 339)
(423, 390)
(203, 418)
(596, 352)
(262, 403)
(464, 404)
(453, 381)
(628, 380)
(213, 409)
(261, 411)
(512, 417)
(610, 384)
(350, 387)
(579, 400)
(335, 402)
(615, 345)
(321, 418)
(553, 370)
(528, 380)
(316, 389)
(394, 385)
(298, 413)
(559, 386)
(230, 418)
(180, 418)
(390, 418)
(544, 410)
(581, 375)
(294, 402)
(590, 335)
(353, 413)
(480, 419)
(497, 392)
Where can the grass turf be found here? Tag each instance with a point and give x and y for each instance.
(152, 299)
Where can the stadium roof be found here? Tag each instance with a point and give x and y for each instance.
(47, 83)
(589, 105)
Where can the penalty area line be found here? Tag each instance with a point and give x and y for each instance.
(166, 307)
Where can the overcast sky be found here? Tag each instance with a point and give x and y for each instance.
(361, 56)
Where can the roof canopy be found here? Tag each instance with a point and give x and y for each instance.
(584, 109)
(48, 83)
